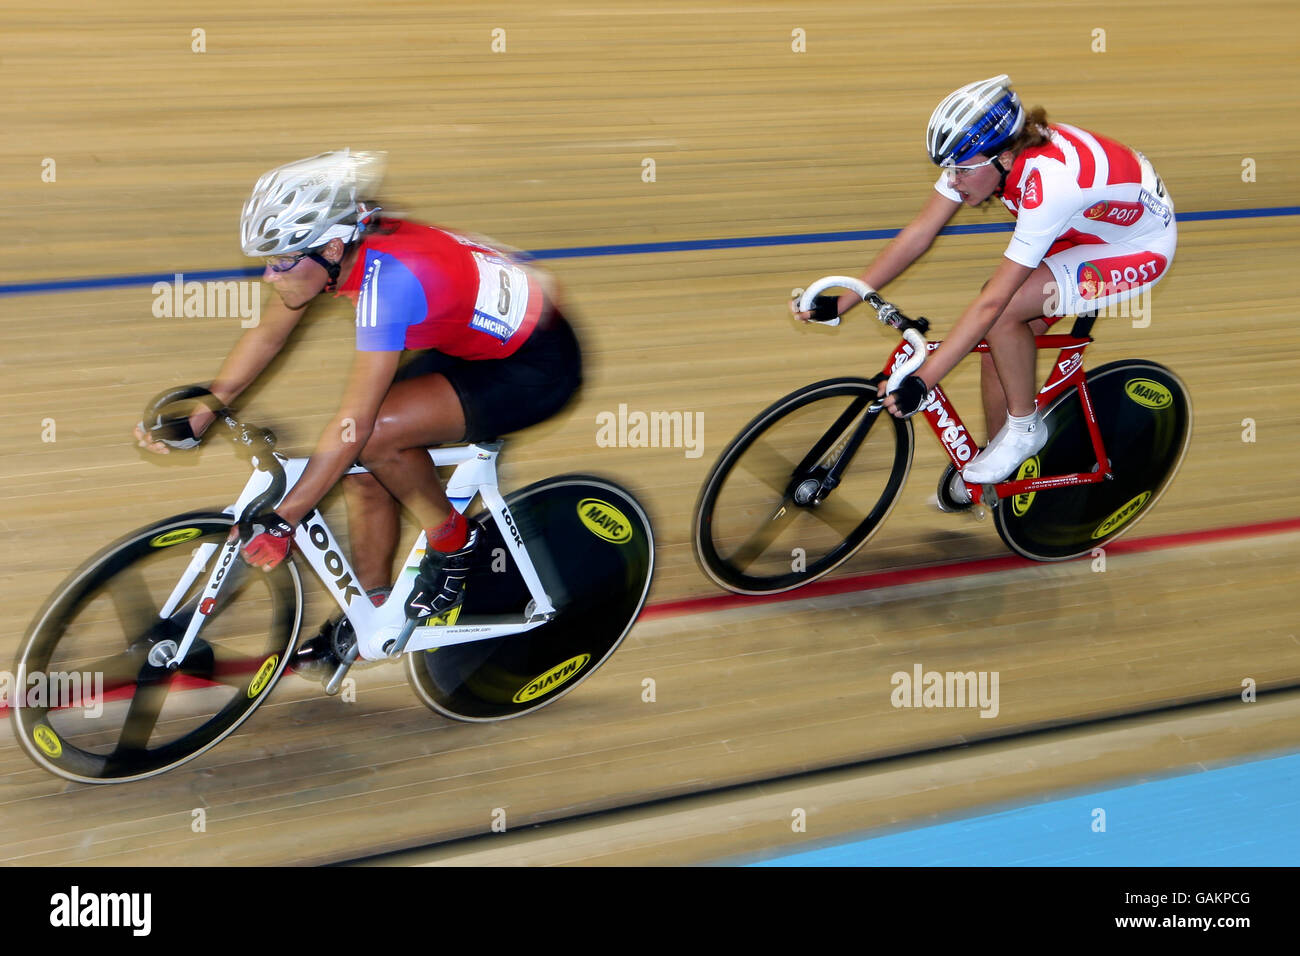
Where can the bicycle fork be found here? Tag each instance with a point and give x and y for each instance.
(806, 486)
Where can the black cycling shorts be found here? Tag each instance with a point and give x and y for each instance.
(500, 396)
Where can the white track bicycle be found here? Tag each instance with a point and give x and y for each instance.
(189, 640)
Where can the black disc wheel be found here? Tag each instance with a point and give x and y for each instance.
(771, 516)
(1145, 417)
(593, 549)
(95, 700)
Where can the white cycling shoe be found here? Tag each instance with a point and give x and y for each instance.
(1004, 454)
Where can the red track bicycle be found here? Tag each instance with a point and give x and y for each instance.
(811, 479)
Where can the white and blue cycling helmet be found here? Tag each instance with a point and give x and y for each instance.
(978, 118)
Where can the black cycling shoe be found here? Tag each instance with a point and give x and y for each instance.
(440, 585)
(321, 656)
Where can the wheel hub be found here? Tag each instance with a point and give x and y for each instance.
(806, 491)
(162, 652)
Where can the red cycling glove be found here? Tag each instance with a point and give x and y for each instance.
(271, 539)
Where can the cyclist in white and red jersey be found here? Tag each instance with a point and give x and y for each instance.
(456, 341)
(1094, 227)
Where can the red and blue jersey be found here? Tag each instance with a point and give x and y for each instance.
(420, 287)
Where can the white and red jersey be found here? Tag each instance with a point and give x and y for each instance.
(1079, 189)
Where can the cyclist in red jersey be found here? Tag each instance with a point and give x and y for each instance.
(1094, 227)
(456, 341)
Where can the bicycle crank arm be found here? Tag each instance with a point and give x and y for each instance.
(335, 683)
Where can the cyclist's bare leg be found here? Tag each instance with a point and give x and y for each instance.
(1008, 374)
(417, 412)
(373, 524)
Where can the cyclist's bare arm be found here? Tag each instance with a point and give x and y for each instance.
(255, 349)
(973, 325)
(904, 249)
(341, 442)
(247, 360)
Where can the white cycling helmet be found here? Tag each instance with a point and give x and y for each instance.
(978, 118)
(305, 204)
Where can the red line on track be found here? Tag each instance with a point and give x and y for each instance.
(956, 569)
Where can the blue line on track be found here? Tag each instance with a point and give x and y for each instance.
(625, 249)
(1243, 815)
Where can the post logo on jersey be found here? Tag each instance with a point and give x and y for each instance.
(1032, 195)
(1115, 213)
(1119, 274)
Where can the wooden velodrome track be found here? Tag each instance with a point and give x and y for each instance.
(542, 145)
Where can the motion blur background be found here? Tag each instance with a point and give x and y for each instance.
(133, 134)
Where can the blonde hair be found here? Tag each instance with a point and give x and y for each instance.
(1033, 134)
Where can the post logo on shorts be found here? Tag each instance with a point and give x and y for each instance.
(604, 520)
(1117, 274)
(557, 675)
(1148, 393)
(1031, 197)
(1122, 516)
(1089, 281)
(1115, 213)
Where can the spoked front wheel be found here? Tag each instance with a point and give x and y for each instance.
(1145, 418)
(593, 549)
(769, 517)
(97, 704)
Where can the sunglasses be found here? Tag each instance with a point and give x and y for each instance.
(284, 263)
(963, 170)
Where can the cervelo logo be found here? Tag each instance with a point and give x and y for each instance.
(333, 563)
(1031, 197)
(902, 356)
(1115, 213)
(952, 434)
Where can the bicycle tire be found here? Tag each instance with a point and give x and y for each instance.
(596, 566)
(732, 508)
(104, 619)
(1145, 416)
